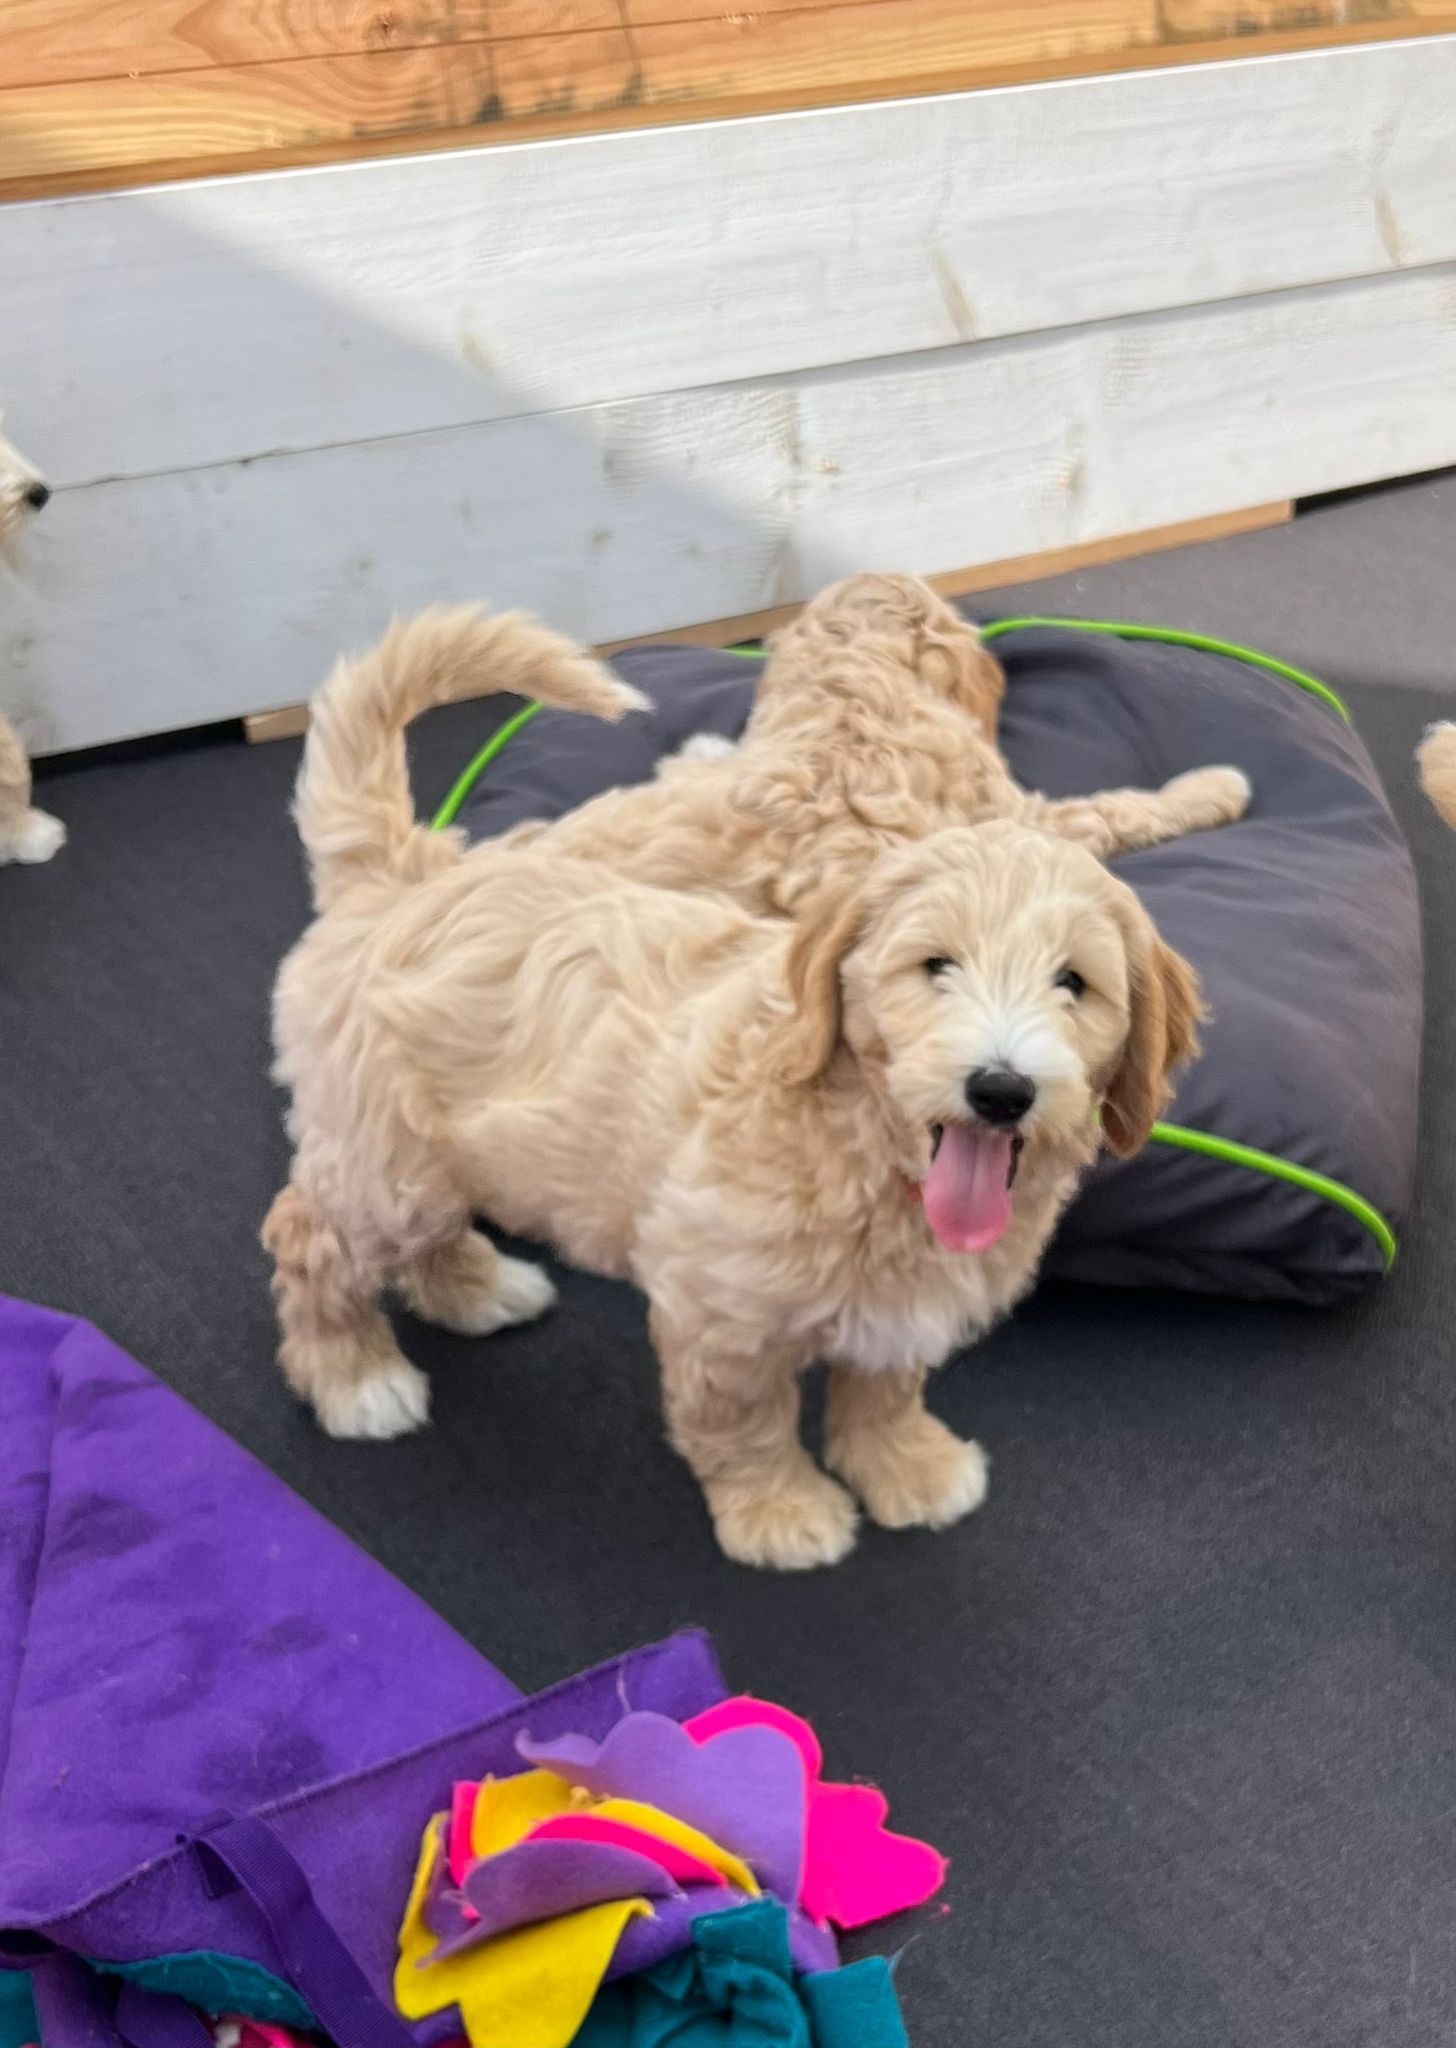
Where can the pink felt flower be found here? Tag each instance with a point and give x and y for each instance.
(855, 1870)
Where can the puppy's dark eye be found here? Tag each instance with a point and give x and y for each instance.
(937, 966)
(1072, 982)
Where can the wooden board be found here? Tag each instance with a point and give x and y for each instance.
(292, 719)
(173, 599)
(987, 577)
(135, 90)
(294, 310)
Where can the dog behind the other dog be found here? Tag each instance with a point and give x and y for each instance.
(846, 1138)
(26, 834)
(874, 724)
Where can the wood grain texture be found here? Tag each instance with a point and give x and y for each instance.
(292, 719)
(204, 117)
(372, 300)
(170, 600)
(47, 41)
(134, 90)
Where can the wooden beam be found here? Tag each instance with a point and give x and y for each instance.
(138, 90)
(48, 41)
(309, 311)
(286, 723)
(292, 720)
(168, 600)
(992, 576)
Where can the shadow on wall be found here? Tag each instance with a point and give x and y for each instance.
(254, 467)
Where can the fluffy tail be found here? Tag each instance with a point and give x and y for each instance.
(355, 812)
(1436, 757)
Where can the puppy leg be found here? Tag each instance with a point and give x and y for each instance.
(733, 1413)
(26, 834)
(906, 1466)
(337, 1350)
(467, 1285)
(1122, 820)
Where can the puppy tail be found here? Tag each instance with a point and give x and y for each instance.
(353, 805)
(1436, 759)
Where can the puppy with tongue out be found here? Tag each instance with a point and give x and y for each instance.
(968, 1025)
(844, 1138)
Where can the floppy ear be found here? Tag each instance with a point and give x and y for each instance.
(1166, 1009)
(981, 686)
(825, 931)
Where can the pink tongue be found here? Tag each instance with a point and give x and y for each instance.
(967, 1201)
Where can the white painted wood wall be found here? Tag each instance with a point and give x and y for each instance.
(645, 379)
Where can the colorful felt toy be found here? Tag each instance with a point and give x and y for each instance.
(601, 1860)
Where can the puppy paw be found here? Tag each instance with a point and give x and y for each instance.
(706, 746)
(920, 1475)
(1211, 796)
(388, 1403)
(38, 837)
(522, 1292)
(473, 1289)
(801, 1522)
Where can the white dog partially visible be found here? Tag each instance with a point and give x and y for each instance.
(26, 834)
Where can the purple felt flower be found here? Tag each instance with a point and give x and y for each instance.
(536, 1881)
(744, 1788)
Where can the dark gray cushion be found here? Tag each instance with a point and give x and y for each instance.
(1302, 922)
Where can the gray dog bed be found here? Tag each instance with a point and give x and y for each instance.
(1285, 1165)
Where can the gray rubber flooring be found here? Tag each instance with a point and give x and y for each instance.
(1179, 1702)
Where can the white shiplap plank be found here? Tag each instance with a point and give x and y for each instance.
(166, 601)
(182, 326)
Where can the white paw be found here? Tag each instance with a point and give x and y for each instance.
(388, 1403)
(520, 1293)
(1219, 795)
(1236, 787)
(920, 1477)
(961, 1490)
(38, 837)
(807, 1522)
(706, 746)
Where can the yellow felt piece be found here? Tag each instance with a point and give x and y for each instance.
(653, 1821)
(506, 1809)
(432, 1847)
(532, 1987)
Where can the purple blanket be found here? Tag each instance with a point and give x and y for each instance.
(184, 1642)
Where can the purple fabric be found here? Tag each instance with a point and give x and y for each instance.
(180, 1635)
(542, 1880)
(146, 2019)
(744, 1788)
(72, 2005)
(247, 1855)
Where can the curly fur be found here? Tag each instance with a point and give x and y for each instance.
(26, 834)
(874, 724)
(730, 1109)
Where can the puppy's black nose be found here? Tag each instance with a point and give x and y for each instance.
(38, 496)
(998, 1096)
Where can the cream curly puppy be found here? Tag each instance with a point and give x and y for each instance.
(26, 834)
(874, 723)
(846, 1138)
